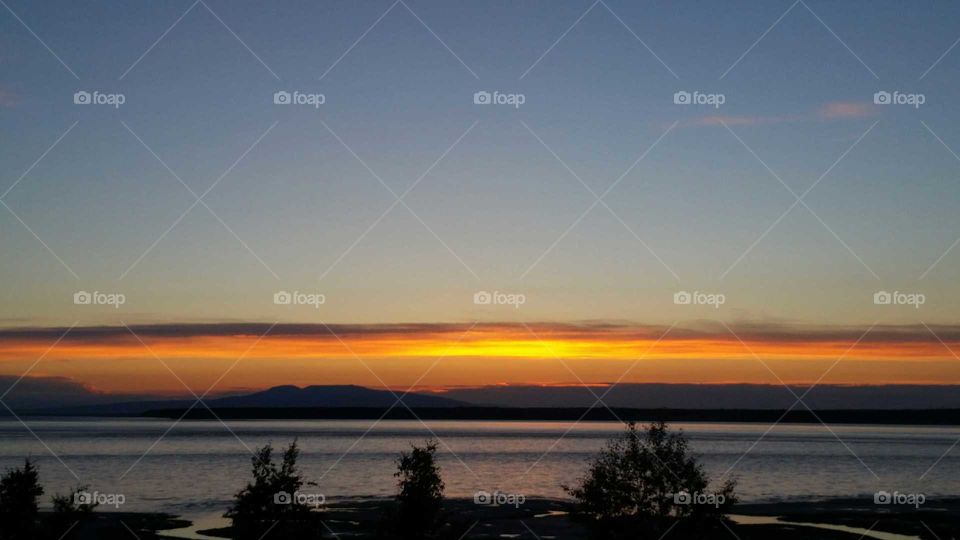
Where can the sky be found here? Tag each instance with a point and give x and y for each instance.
(589, 199)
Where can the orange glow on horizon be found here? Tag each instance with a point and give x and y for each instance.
(485, 355)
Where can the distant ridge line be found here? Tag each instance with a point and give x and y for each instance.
(939, 417)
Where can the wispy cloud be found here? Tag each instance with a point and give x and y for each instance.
(738, 120)
(7, 97)
(399, 335)
(834, 110)
(846, 109)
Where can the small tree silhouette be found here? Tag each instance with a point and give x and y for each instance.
(645, 481)
(19, 491)
(268, 507)
(420, 492)
(68, 512)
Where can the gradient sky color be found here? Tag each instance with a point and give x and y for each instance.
(500, 198)
(171, 358)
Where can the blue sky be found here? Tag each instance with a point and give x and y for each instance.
(487, 213)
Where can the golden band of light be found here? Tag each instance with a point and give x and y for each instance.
(496, 354)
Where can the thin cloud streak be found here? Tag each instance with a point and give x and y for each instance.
(834, 110)
(764, 332)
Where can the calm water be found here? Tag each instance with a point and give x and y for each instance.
(197, 466)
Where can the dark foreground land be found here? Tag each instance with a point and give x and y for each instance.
(598, 414)
(835, 519)
(550, 519)
(108, 526)
(935, 520)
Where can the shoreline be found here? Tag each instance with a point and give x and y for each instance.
(827, 519)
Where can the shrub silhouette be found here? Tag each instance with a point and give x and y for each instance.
(268, 507)
(420, 492)
(19, 490)
(643, 482)
(68, 513)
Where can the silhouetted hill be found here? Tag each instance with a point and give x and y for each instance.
(58, 397)
(329, 396)
(276, 397)
(560, 414)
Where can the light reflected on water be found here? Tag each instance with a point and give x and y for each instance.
(198, 466)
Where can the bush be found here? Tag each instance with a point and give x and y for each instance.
(68, 513)
(19, 491)
(420, 492)
(268, 507)
(643, 482)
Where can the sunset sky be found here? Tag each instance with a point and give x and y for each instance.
(304, 199)
(171, 358)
